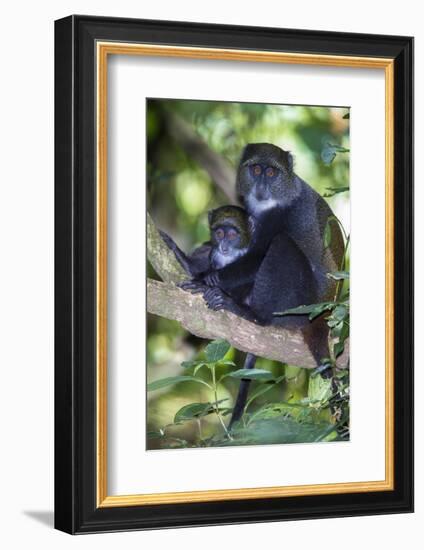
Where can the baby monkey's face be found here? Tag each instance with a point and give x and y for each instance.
(226, 238)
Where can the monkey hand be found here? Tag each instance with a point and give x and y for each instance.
(216, 299)
(211, 278)
(195, 286)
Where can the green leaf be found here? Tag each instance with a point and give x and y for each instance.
(198, 367)
(340, 312)
(319, 388)
(252, 374)
(280, 429)
(338, 275)
(342, 374)
(338, 148)
(319, 310)
(263, 389)
(334, 324)
(196, 410)
(338, 348)
(193, 410)
(328, 154)
(313, 310)
(196, 364)
(335, 190)
(227, 363)
(163, 382)
(341, 332)
(216, 350)
(189, 364)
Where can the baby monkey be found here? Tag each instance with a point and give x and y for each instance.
(231, 231)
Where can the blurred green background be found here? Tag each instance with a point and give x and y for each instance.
(179, 194)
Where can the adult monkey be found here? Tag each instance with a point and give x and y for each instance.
(286, 210)
(281, 203)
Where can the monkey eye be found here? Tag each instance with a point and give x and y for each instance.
(257, 170)
(270, 172)
(231, 234)
(219, 233)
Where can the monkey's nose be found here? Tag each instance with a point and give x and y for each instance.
(261, 193)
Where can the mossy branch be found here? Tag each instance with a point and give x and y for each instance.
(161, 257)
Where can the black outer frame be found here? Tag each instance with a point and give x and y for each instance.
(75, 274)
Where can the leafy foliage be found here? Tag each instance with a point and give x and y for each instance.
(252, 374)
(162, 383)
(329, 152)
(306, 420)
(331, 191)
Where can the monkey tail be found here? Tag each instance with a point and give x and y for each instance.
(243, 391)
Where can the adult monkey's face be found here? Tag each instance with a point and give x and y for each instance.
(265, 178)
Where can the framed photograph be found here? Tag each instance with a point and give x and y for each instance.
(234, 274)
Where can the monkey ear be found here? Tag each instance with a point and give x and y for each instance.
(245, 155)
(290, 161)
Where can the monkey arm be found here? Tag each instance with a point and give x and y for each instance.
(238, 273)
(179, 254)
(194, 264)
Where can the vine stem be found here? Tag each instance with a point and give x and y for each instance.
(340, 225)
(215, 391)
(342, 267)
(199, 425)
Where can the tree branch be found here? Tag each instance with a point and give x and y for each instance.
(161, 257)
(221, 172)
(287, 346)
(167, 300)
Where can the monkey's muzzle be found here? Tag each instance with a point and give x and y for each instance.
(262, 192)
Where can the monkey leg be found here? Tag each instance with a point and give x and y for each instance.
(243, 391)
(315, 334)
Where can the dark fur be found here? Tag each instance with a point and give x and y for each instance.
(288, 238)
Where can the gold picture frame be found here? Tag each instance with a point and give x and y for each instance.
(106, 49)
